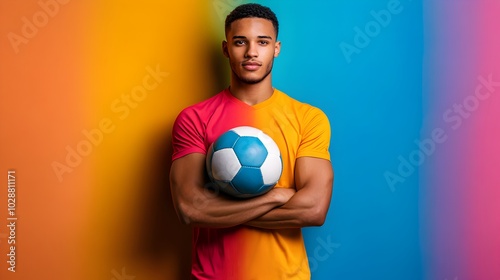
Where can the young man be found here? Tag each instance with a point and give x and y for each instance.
(257, 238)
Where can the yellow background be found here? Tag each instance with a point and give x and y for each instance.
(112, 213)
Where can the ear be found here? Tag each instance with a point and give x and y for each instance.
(224, 49)
(277, 48)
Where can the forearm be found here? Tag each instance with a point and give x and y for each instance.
(309, 205)
(279, 218)
(301, 210)
(306, 208)
(211, 210)
(197, 206)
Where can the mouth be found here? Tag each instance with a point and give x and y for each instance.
(251, 65)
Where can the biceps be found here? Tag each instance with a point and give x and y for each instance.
(187, 176)
(314, 175)
(314, 182)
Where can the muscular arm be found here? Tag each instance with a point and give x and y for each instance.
(309, 205)
(199, 207)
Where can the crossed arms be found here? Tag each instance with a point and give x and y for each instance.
(306, 205)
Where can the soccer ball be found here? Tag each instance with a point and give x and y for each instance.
(244, 162)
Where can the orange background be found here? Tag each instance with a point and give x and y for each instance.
(110, 211)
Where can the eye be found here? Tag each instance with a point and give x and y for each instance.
(264, 43)
(239, 42)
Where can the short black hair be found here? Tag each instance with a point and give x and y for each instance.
(252, 11)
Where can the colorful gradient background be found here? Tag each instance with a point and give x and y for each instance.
(111, 215)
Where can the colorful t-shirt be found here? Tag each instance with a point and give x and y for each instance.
(243, 252)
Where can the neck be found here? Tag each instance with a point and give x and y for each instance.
(252, 94)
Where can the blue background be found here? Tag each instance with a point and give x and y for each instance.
(374, 103)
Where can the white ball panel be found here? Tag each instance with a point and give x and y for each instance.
(271, 169)
(225, 164)
(247, 131)
(271, 146)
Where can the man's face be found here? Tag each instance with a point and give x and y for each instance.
(251, 48)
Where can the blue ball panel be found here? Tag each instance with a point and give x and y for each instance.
(250, 151)
(226, 140)
(248, 180)
(265, 188)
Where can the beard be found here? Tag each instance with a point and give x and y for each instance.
(254, 80)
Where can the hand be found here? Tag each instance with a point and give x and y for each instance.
(282, 195)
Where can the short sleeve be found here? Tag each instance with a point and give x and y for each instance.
(187, 134)
(316, 133)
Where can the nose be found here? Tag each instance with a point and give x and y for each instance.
(251, 50)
